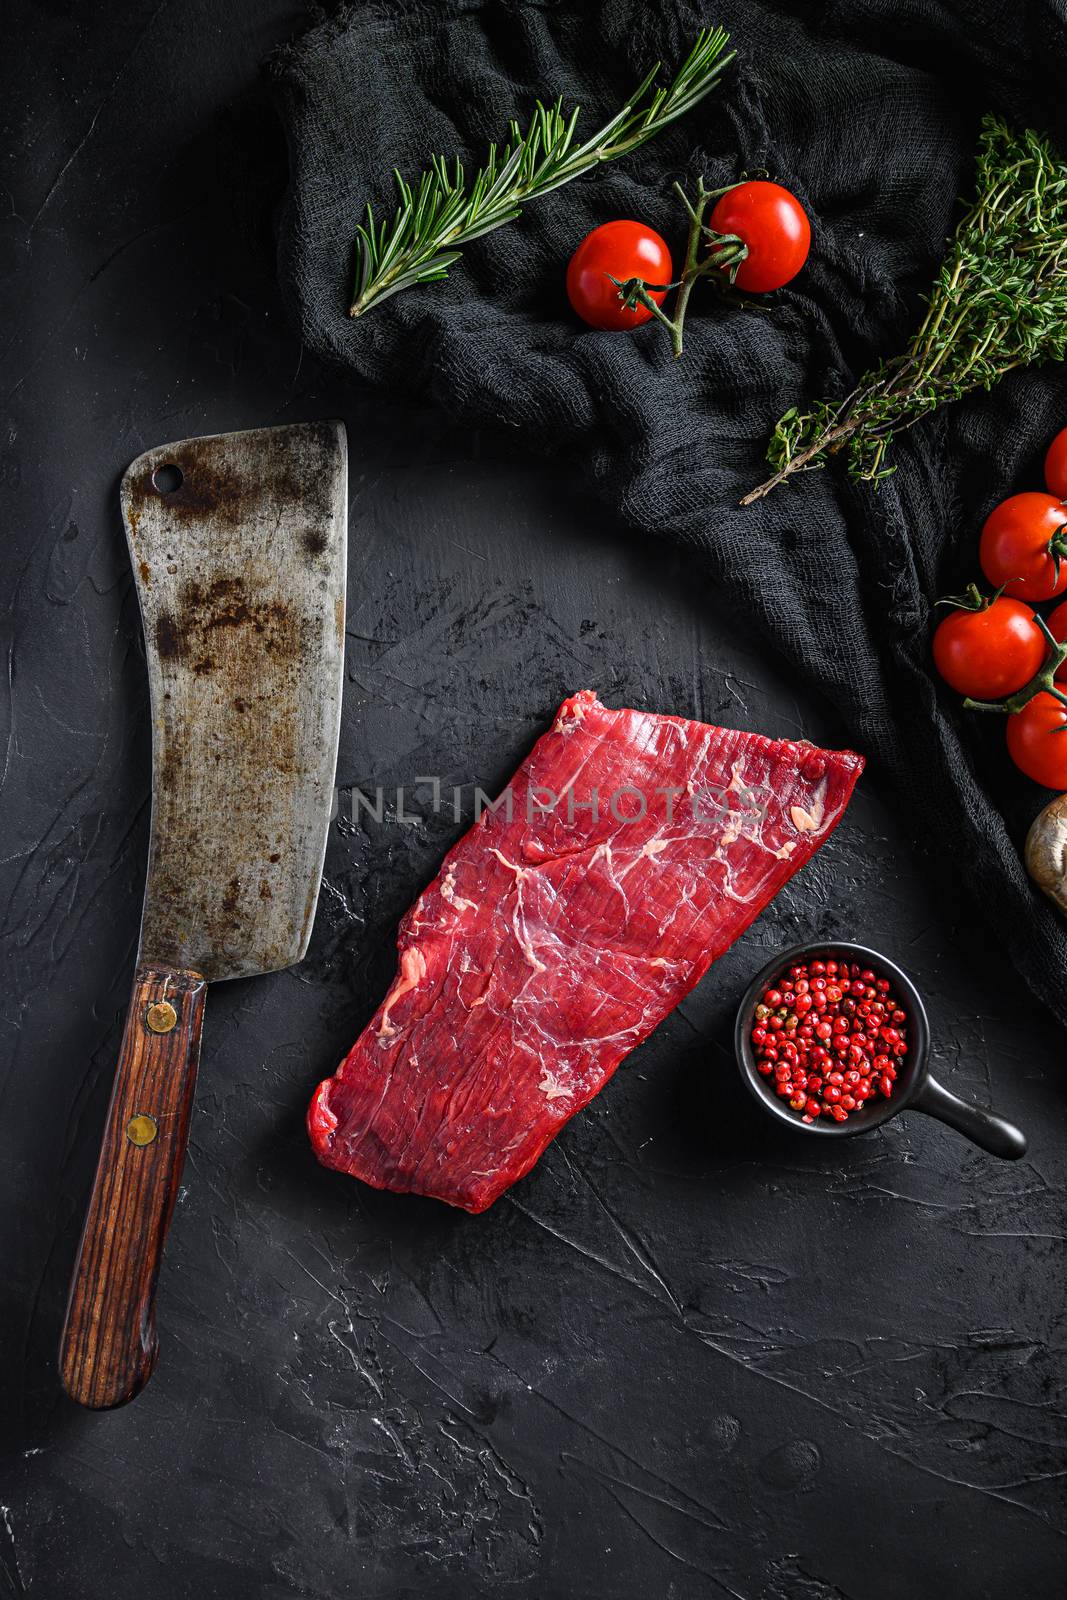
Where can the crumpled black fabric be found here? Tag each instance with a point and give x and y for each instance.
(868, 110)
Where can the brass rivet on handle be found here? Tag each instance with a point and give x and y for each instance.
(161, 1017)
(142, 1129)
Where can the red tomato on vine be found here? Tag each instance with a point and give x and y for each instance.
(1037, 740)
(1023, 545)
(1056, 466)
(989, 649)
(772, 224)
(619, 250)
(1057, 626)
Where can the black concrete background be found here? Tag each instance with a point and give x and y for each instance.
(689, 1355)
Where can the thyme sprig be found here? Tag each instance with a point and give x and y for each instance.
(999, 302)
(442, 210)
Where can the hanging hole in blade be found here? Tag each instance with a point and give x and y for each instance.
(167, 478)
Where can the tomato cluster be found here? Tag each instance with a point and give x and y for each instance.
(999, 649)
(759, 232)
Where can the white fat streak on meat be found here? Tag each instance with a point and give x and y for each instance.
(321, 1103)
(466, 968)
(614, 874)
(512, 866)
(518, 921)
(551, 1087)
(741, 822)
(762, 807)
(412, 972)
(604, 854)
(601, 852)
(536, 1025)
(448, 892)
(534, 1037)
(565, 789)
(758, 802)
(525, 943)
(740, 825)
(747, 826)
(572, 712)
(810, 821)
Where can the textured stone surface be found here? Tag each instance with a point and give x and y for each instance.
(688, 1356)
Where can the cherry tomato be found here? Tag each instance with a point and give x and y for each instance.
(1056, 466)
(625, 250)
(991, 652)
(1020, 544)
(1057, 626)
(774, 226)
(1037, 740)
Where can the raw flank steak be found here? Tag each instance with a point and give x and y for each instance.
(553, 940)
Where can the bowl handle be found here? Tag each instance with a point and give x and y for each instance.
(983, 1128)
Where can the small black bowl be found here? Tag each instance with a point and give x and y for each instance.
(914, 1089)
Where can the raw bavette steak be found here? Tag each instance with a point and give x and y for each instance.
(553, 942)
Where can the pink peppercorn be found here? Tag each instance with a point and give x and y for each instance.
(829, 1038)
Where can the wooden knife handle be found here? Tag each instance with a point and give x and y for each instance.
(108, 1348)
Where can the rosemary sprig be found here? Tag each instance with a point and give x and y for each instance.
(442, 211)
(999, 302)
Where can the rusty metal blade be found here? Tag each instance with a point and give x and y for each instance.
(238, 544)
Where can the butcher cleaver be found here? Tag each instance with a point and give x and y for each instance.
(238, 545)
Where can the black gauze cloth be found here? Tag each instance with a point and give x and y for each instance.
(869, 111)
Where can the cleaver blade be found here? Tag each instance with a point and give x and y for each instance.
(238, 543)
(240, 572)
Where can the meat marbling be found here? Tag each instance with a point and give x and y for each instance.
(553, 942)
